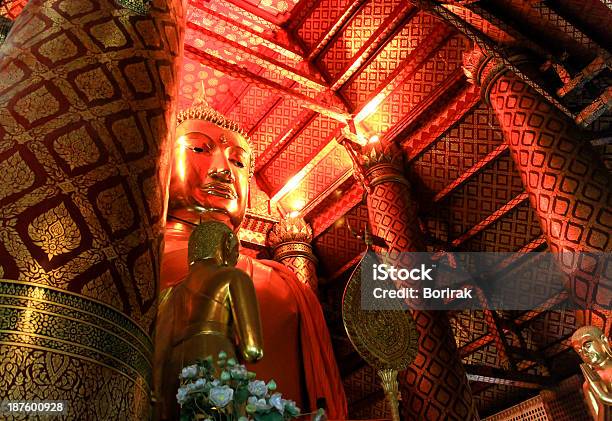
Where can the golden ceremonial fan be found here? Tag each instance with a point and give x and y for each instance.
(385, 339)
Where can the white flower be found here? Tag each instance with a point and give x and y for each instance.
(221, 396)
(277, 402)
(262, 405)
(258, 388)
(181, 395)
(259, 404)
(189, 372)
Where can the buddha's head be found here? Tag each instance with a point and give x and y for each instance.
(217, 164)
(592, 345)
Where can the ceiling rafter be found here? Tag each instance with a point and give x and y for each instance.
(248, 76)
(269, 63)
(417, 58)
(260, 13)
(299, 13)
(470, 172)
(487, 339)
(488, 374)
(399, 130)
(293, 130)
(396, 79)
(429, 133)
(274, 43)
(495, 216)
(328, 37)
(392, 25)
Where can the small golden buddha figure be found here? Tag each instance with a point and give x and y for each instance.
(594, 349)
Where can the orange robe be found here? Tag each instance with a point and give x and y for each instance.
(297, 348)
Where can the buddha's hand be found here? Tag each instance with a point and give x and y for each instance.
(213, 240)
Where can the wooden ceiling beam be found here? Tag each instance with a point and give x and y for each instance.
(274, 43)
(260, 13)
(487, 339)
(494, 217)
(328, 37)
(487, 374)
(258, 80)
(391, 26)
(417, 58)
(265, 62)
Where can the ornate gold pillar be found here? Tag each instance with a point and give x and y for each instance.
(435, 386)
(290, 240)
(87, 106)
(567, 183)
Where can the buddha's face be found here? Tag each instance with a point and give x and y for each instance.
(592, 349)
(217, 163)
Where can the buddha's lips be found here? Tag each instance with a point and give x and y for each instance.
(220, 190)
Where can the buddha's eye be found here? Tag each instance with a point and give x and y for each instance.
(204, 148)
(238, 163)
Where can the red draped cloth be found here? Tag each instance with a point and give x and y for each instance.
(297, 348)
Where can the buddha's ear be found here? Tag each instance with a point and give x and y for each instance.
(248, 205)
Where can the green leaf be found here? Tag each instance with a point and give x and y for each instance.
(241, 395)
(270, 416)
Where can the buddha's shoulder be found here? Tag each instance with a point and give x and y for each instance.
(262, 269)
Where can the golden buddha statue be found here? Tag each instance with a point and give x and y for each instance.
(216, 301)
(594, 348)
(211, 179)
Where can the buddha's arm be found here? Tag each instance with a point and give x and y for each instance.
(596, 385)
(245, 311)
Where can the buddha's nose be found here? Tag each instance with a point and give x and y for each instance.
(223, 175)
(219, 169)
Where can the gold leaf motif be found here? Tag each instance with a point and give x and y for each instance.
(109, 35)
(37, 105)
(59, 48)
(10, 76)
(95, 85)
(15, 176)
(129, 133)
(55, 232)
(77, 148)
(139, 77)
(103, 288)
(115, 208)
(153, 195)
(143, 272)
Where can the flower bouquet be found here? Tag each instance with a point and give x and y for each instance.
(227, 391)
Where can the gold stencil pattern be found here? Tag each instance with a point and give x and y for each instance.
(37, 105)
(115, 208)
(56, 345)
(74, 214)
(55, 232)
(103, 289)
(15, 176)
(77, 148)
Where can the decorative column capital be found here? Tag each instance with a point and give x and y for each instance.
(483, 68)
(377, 162)
(291, 237)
